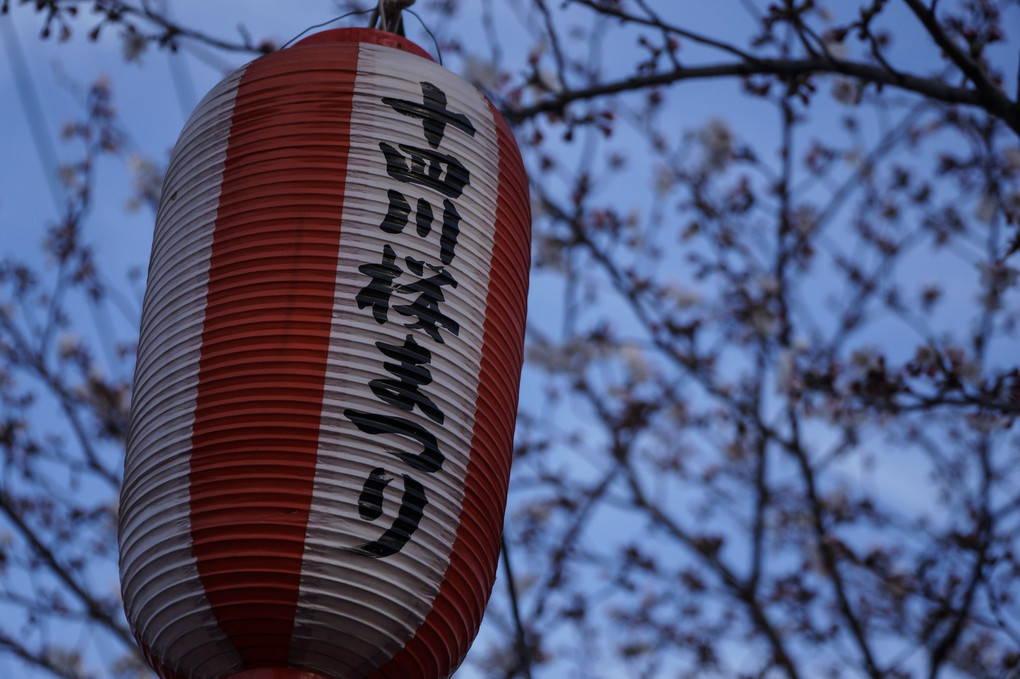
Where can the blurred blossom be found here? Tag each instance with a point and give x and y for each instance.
(986, 423)
(537, 208)
(864, 360)
(717, 140)
(930, 294)
(787, 379)
(138, 163)
(837, 49)
(67, 346)
(478, 72)
(68, 662)
(636, 364)
(1011, 206)
(101, 86)
(763, 321)
(998, 276)
(548, 81)
(735, 451)
(560, 358)
(926, 355)
(802, 219)
(768, 284)
(148, 180)
(968, 370)
(837, 501)
(681, 297)
(538, 49)
(986, 209)
(68, 176)
(847, 91)
(549, 254)
(133, 44)
(664, 180)
(1011, 156)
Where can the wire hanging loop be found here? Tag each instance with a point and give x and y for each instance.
(386, 16)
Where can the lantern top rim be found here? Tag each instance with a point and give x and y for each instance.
(337, 36)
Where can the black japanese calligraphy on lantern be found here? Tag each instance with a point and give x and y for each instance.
(398, 214)
(425, 167)
(413, 501)
(371, 500)
(412, 509)
(411, 374)
(433, 113)
(428, 460)
(429, 295)
(377, 293)
(406, 373)
(429, 168)
(427, 291)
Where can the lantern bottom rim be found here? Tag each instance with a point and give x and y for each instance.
(275, 673)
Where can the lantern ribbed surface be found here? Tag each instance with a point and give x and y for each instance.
(328, 367)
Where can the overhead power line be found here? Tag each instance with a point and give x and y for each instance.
(32, 107)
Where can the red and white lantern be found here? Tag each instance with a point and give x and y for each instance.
(328, 369)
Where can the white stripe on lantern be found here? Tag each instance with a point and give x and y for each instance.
(355, 612)
(163, 595)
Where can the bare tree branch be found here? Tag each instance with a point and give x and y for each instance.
(989, 94)
(101, 612)
(1001, 107)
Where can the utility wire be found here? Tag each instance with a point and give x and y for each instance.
(45, 149)
(183, 86)
(30, 104)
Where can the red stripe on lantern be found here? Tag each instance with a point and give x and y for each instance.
(264, 342)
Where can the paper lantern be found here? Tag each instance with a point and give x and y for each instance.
(328, 368)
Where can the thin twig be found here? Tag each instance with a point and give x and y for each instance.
(96, 609)
(523, 652)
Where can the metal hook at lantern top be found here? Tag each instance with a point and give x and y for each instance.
(386, 16)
